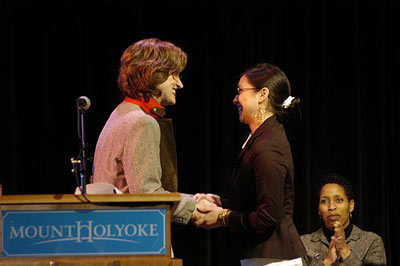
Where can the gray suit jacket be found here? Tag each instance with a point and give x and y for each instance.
(367, 248)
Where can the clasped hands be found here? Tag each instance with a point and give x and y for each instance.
(208, 207)
(337, 246)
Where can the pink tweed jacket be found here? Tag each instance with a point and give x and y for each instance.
(127, 155)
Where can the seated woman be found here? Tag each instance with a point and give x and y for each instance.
(339, 242)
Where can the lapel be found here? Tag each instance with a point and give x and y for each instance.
(169, 177)
(355, 234)
(318, 236)
(269, 123)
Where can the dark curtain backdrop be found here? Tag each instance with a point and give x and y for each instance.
(341, 57)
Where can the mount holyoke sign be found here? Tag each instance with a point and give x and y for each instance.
(82, 233)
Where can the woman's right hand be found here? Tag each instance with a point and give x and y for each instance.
(206, 206)
(210, 197)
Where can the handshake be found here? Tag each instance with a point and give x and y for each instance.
(209, 212)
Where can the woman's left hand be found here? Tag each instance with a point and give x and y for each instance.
(340, 241)
(209, 220)
(331, 256)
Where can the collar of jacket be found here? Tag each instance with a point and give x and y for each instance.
(152, 107)
(318, 236)
(271, 121)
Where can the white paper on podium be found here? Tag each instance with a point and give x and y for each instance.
(99, 188)
(270, 262)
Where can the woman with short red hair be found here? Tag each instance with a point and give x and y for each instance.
(135, 151)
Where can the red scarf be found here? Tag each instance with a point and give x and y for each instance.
(152, 107)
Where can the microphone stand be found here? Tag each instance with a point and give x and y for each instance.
(80, 164)
(83, 153)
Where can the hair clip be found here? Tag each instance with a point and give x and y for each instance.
(286, 104)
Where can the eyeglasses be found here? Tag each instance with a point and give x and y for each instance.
(240, 90)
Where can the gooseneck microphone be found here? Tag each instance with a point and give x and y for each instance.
(80, 164)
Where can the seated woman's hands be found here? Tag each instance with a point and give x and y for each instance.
(340, 241)
(331, 257)
(337, 246)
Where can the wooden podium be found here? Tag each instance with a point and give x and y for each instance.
(14, 206)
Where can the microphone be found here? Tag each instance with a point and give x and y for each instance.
(83, 103)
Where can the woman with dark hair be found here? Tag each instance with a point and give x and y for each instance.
(259, 210)
(339, 242)
(135, 151)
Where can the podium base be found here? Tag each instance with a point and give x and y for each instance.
(92, 261)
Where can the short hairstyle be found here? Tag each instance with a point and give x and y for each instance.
(335, 178)
(272, 77)
(146, 64)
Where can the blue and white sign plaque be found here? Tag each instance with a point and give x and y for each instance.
(84, 233)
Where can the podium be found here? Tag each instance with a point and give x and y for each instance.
(90, 230)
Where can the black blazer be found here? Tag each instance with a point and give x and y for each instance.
(262, 198)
